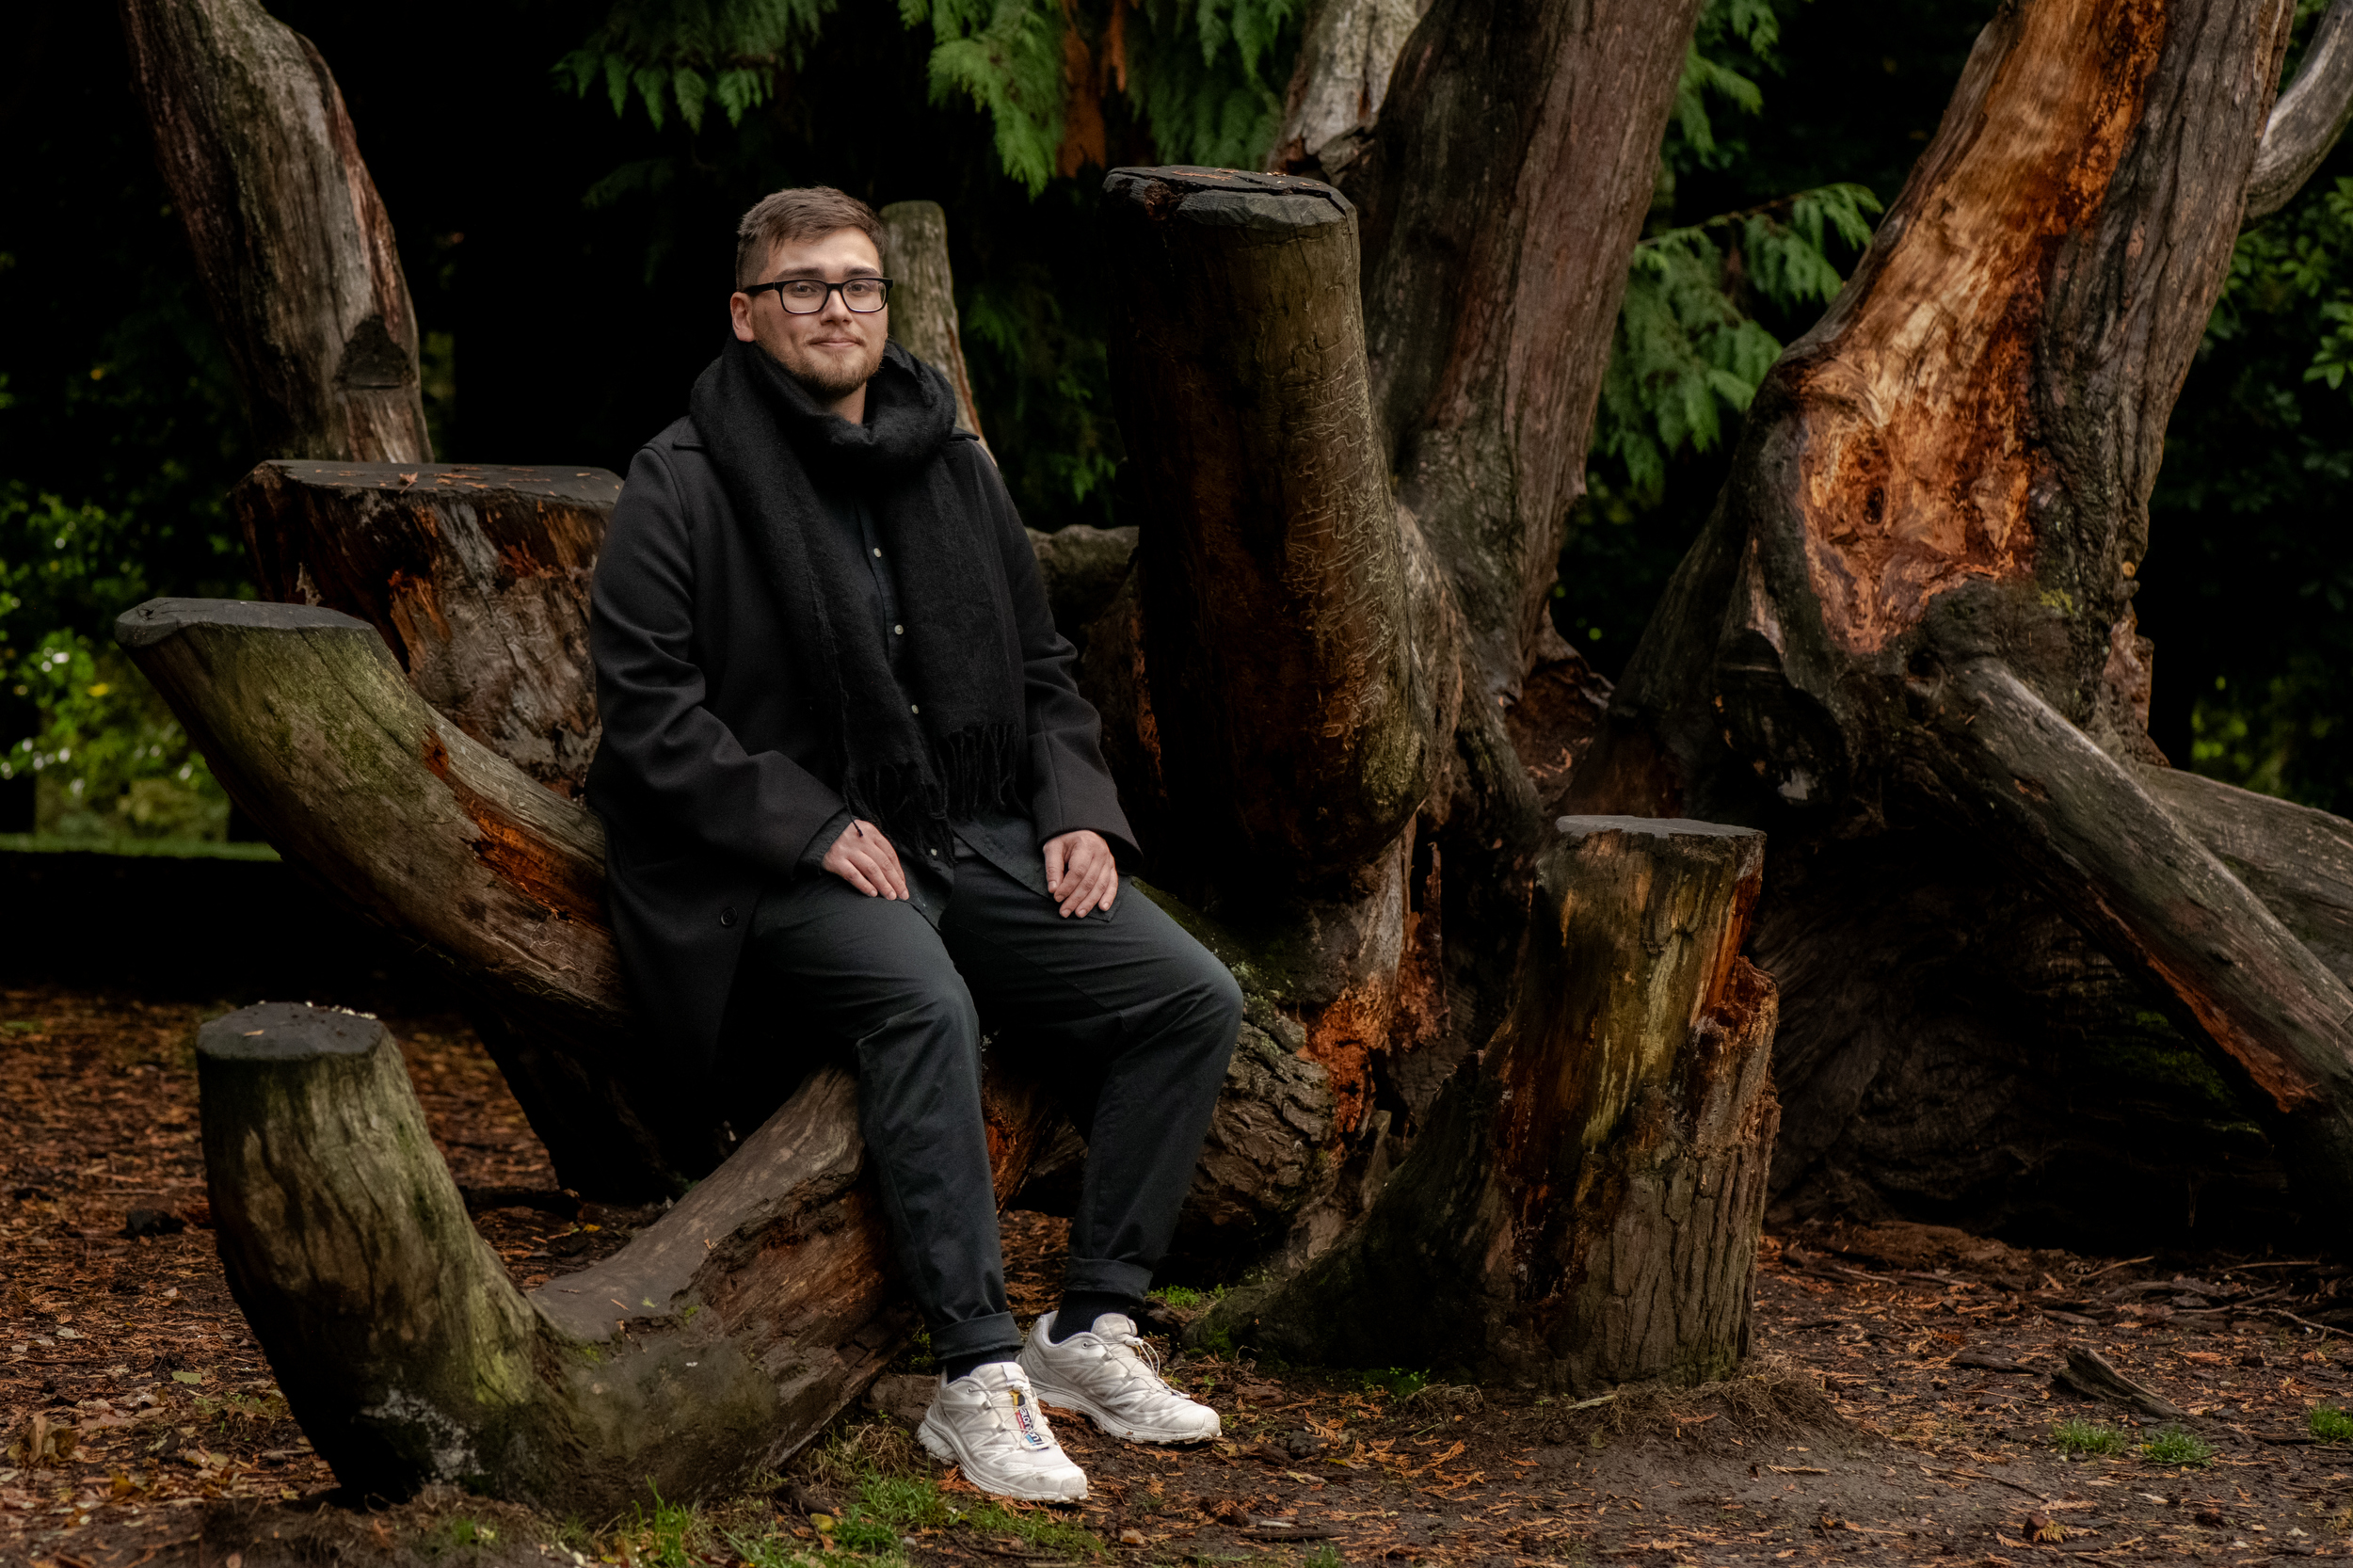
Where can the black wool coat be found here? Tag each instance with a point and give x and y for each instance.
(714, 774)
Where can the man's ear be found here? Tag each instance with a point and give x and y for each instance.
(739, 309)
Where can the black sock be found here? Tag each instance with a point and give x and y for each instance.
(1079, 1308)
(962, 1366)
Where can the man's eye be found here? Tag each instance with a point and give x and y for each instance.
(861, 288)
(804, 291)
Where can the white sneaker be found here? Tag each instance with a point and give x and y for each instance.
(1113, 1377)
(990, 1425)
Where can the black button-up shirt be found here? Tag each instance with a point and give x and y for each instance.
(1005, 840)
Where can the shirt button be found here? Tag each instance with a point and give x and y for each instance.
(914, 707)
(935, 854)
(878, 551)
(727, 917)
(898, 631)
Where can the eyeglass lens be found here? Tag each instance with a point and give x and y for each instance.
(807, 296)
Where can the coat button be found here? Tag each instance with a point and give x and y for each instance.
(898, 631)
(878, 552)
(914, 707)
(726, 916)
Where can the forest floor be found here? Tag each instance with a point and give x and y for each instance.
(1900, 1405)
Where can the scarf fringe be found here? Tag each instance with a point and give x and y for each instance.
(978, 769)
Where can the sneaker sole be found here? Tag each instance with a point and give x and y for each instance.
(1070, 1398)
(942, 1447)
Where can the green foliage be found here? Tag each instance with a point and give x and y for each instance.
(110, 759)
(1006, 57)
(2076, 1436)
(2250, 587)
(1204, 76)
(2330, 1424)
(2174, 1445)
(688, 55)
(1397, 1381)
(1689, 352)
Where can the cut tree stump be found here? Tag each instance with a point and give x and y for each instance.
(1583, 1209)
(476, 575)
(717, 1341)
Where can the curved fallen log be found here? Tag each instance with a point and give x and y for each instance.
(310, 725)
(713, 1344)
(1584, 1207)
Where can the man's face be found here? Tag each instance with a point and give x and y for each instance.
(836, 350)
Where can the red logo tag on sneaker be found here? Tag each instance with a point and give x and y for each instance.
(1026, 1420)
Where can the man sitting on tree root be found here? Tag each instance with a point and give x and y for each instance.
(843, 757)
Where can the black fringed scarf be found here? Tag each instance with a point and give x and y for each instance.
(912, 773)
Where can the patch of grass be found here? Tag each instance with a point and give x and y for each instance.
(2076, 1436)
(454, 1534)
(1181, 1298)
(891, 1494)
(1325, 1556)
(2174, 1446)
(1397, 1381)
(2330, 1424)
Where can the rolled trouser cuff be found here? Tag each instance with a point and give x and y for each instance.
(1107, 1278)
(978, 1336)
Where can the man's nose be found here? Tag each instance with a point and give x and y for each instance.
(837, 307)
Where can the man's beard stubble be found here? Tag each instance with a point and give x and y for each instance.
(824, 377)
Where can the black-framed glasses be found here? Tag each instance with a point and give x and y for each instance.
(805, 296)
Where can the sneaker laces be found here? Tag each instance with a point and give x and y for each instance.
(1006, 1425)
(1141, 1357)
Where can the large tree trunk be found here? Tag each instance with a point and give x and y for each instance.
(1347, 52)
(717, 1341)
(1305, 690)
(1583, 1211)
(292, 244)
(1909, 622)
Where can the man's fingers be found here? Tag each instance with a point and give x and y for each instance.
(1057, 856)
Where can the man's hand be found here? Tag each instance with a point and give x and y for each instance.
(1080, 872)
(863, 858)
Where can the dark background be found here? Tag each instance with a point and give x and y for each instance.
(569, 269)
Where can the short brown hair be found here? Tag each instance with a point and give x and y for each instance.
(791, 216)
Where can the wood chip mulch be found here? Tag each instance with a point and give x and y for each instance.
(1901, 1404)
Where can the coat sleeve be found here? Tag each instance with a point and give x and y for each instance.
(668, 750)
(1071, 786)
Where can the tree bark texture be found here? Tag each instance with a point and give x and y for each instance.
(1583, 1209)
(1346, 51)
(717, 1341)
(1297, 722)
(1504, 188)
(2309, 117)
(293, 244)
(308, 723)
(1911, 609)
(923, 298)
(476, 576)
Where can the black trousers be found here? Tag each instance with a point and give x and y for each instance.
(1133, 1022)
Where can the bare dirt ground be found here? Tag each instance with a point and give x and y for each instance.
(1900, 1405)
